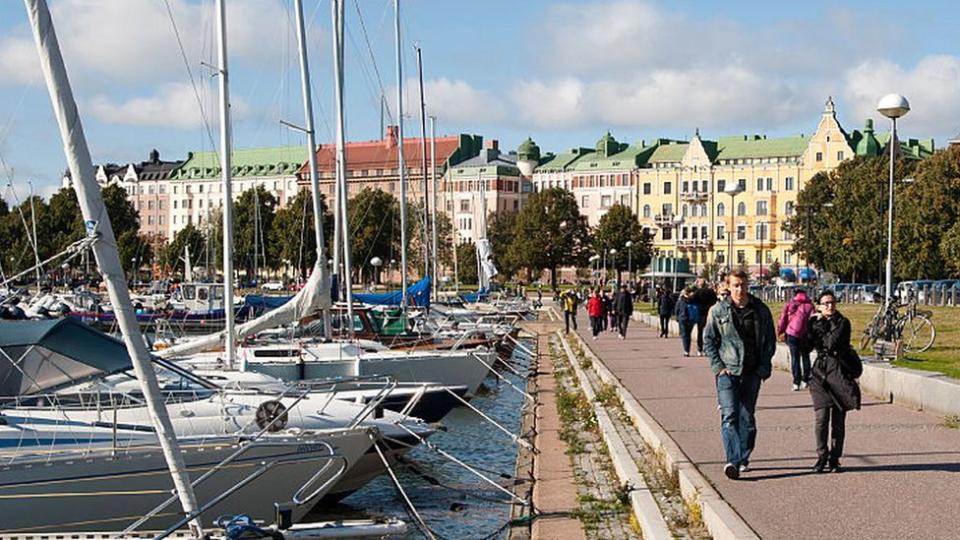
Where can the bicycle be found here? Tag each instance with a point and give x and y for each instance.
(914, 329)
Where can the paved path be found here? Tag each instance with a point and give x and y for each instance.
(901, 467)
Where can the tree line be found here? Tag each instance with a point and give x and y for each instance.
(840, 221)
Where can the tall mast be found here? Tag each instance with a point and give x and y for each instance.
(423, 169)
(336, 7)
(33, 219)
(321, 263)
(401, 165)
(433, 177)
(97, 223)
(225, 173)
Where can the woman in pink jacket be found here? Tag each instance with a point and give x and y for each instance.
(794, 324)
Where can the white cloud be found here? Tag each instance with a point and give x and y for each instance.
(552, 104)
(174, 105)
(932, 86)
(457, 101)
(18, 62)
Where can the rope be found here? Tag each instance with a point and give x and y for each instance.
(193, 83)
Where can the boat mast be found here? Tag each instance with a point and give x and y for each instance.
(401, 165)
(423, 169)
(97, 224)
(433, 177)
(225, 173)
(321, 263)
(336, 8)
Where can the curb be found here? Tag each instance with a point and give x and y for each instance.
(645, 507)
(723, 522)
(926, 391)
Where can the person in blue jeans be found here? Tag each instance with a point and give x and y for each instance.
(740, 341)
(686, 319)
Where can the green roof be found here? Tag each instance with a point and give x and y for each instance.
(756, 146)
(561, 162)
(276, 161)
(631, 157)
(911, 148)
(669, 152)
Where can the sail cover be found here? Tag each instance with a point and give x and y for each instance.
(487, 268)
(418, 295)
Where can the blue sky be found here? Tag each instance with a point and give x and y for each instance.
(561, 72)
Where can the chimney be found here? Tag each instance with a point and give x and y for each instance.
(493, 144)
(390, 137)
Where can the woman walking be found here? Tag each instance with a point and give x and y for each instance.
(833, 384)
(595, 309)
(686, 318)
(793, 325)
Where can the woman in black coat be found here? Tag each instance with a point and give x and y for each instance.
(832, 383)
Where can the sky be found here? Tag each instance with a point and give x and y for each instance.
(563, 73)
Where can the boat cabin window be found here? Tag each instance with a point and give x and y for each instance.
(189, 292)
(202, 293)
(216, 292)
(340, 321)
(276, 353)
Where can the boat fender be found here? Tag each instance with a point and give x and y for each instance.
(267, 412)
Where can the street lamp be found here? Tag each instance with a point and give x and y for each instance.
(595, 266)
(629, 246)
(677, 222)
(892, 106)
(613, 263)
(376, 263)
(733, 189)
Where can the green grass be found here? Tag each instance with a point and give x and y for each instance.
(943, 357)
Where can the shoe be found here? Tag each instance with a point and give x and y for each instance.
(744, 467)
(835, 466)
(820, 466)
(803, 385)
(796, 388)
(594, 338)
(731, 471)
(621, 337)
(686, 354)
(699, 353)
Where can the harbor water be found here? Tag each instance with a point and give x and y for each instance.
(452, 501)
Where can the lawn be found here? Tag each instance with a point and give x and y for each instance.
(943, 357)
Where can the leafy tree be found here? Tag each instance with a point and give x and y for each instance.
(134, 249)
(617, 227)
(926, 210)
(65, 219)
(374, 217)
(467, 263)
(550, 232)
(950, 249)
(501, 231)
(174, 251)
(415, 239)
(252, 222)
(123, 216)
(774, 269)
(293, 232)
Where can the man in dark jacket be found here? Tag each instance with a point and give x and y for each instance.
(704, 297)
(740, 341)
(665, 303)
(623, 305)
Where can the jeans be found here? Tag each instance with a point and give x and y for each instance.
(701, 324)
(614, 323)
(596, 325)
(798, 358)
(569, 316)
(686, 331)
(664, 325)
(738, 427)
(833, 418)
(622, 322)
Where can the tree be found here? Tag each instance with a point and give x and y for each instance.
(293, 232)
(252, 222)
(374, 217)
(467, 263)
(550, 232)
(65, 219)
(501, 231)
(950, 249)
(617, 227)
(775, 269)
(135, 251)
(123, 216)
(174, 251)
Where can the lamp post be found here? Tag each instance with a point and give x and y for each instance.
(376, 263)
(677, 222)
(629, 246)
(732, 189)
(892, 106)
(613, 263)
(595, 267)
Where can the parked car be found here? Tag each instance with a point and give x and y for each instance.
(275, 286)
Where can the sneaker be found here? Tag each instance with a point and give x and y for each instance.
(744, 467)
(621, 337)
(731, 471)
(686, 354)
(803, 385)
(796, 387)
(699, 353)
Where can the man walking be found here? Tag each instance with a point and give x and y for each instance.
(623, 305)
(740, 341)
(569, 302)
(704, 297)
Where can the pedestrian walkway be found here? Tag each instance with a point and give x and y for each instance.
(900, 466)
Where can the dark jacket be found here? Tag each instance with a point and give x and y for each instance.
(665, 304)
(725, 349)
(832, 380)
(705, 297)
(623, 304)
(680, 309)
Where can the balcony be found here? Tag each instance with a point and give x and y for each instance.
(663, 220)
(694, 196)
(695, 244)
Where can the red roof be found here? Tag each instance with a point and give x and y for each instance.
(382, 154)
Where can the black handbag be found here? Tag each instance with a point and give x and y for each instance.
(850, 363)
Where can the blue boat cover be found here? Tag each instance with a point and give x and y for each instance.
(418, 295)
(807, 273)
(478, 296)
(262, 304)
(786, 272)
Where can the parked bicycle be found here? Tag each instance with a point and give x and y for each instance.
(914, 328)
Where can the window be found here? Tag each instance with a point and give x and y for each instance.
(759, 184)
(684, 210)
(721, 186)
(174, 204)
(819, 156)
(742, 183)
(721, 256)
(788, 183)
(694, 210)
(465, 205)
(150, 190)
(160, 220)
(201, 188)
(721, 210)
(667, 233)
(703, 209)
(720, 230)
(606, 201)
(741, 256)
(741, 232)
(160, 205)
(149, 205)
(703, 186)
(756, 257)
(788, 208)
(788, 257)
(646, 188)
(787, 235)
(684, 187)
(769, 184)
(646, 211)
(585, 201)
(666, 188)
(761, 208)
(683, 233)
(149, 220)
(174, 190)
(741, 208)
(667, 209)
(840, 155)
(163, 189)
